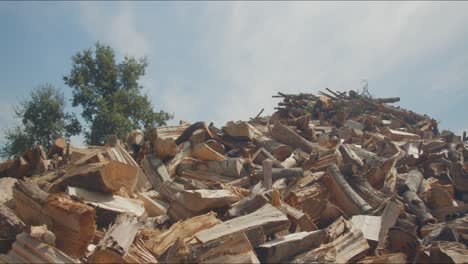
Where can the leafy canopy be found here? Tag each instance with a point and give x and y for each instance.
(110, 94)
(43, 119)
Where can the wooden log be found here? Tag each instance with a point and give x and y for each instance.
(155, 171)
(344, 249)
(185, 136)
(247, 205)
(184, 230)
(204, 152)
(287, 136)
(400, 240)
(172, 131)
(241, 129)
(109, 202)
(107, 176)
(396, 135)
(199, 200)
(10, 227)
(165, 148)
(27, 249)
(418, 208)
(413, 182)
(72, 222)
(92, 157)
(216, 146)
(369, 225)
(278, 150)
(117, 240)
(284, 248)
(37, 159)
(143, 183)
(288, 173)
(153, 206)
(220, 249)
(348, 200)
(297, 217)
(59, 146)
(184, 152)
(232, 167)
(268, 218)
(267, 174)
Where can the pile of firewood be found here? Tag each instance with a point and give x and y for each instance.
(334, 177)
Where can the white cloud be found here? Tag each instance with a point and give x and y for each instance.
(305, 46)
(117, 29)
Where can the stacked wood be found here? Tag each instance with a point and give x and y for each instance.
(332, 177)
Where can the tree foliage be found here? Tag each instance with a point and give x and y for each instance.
(110, 94)
(43, 119)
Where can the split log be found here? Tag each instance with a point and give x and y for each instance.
(344, 249)
(153, 206)
(10, 226)
(247, 205)
(203, 152)
(107, 176)
(59, 146)
(109, 202)
(396, 135)
(216, 146)
(297, 217)
(278, 150)
(37, 159)
(267, 174)
(172, 132)
(348, 200)
(284, 248)
(413, 182)
(199, 200)
(232, 167)
(267, 219)
(389, 218)
(225, 249)
(287, 136)
(27, 249)
(205, 177)
(117, 240)
(400, 240)
(241, 129)
(184, 230)
(370, 226)
(72, 222)
(184, 152)
(165, 148)
(94, 156)
(155, 171)
(288, 173)
(185, 135)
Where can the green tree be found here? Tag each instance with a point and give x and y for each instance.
(43, 119)
(110, 94)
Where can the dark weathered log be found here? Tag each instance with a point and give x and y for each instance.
(247, 205)
(345, 196)
(185, 136)
(290, 173)
(418, 208)
(267, 174)
(117, 240)
(412, 183)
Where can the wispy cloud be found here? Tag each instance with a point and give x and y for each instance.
(116, 27)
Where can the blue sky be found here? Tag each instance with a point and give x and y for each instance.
(220, 61)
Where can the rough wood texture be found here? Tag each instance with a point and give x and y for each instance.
(27, 249)
(344, 194)
(117, 240)
(269, 219)
(107, 176)
(184, 230)
(72, 222)
(344, 249)
(106, 201)
(282, 249)
(287, 136)
(278, 150)
(155, 171)
(203, 152)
